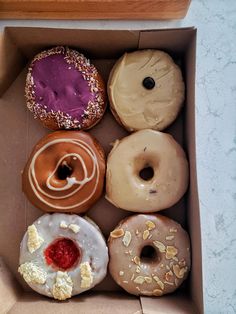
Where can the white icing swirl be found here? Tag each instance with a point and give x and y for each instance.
(71, 181)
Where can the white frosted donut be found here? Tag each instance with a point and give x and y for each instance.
(146, 90)
(150, 151)
(62, 255)
(149, 255)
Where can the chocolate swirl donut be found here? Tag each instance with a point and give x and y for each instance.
(65, 172)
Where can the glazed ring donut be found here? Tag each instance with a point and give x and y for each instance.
(149, 255)
(146, 90)
(146, 171)
(65, 172)
(64, 90)
(62, 255)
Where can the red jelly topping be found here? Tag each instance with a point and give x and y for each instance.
(62, 253)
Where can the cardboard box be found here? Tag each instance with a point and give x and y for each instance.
(19, 133)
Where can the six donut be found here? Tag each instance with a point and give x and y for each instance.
(64, 90)
(145, 90)
(62, 255)
(65, 172)
(140, 151)
(149, 255)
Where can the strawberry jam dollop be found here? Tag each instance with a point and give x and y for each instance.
(63, 253)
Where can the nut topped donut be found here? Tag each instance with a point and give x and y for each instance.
(64, 90)
(147, 171)
(149, 255)
(65, 172)
(62, 255)
(146, 90)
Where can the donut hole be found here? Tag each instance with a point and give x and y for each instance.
(64, 171)
(146, 173)
(148, 254)
(62, 254)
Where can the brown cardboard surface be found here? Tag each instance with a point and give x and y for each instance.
(115, 303)
(9, 289)
(11, 61)
(20, 132)
(168, 304)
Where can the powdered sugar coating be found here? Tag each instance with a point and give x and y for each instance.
(93, 248)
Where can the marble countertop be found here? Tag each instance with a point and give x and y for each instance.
(216, 136)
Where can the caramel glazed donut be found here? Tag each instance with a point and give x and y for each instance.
(149, 255)
(145, 90)
(64, 90)
(65, 172)
(63, 255)
(151, 176)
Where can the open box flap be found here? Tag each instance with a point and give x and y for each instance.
(167, 39)
(11, 61)
(95, 43)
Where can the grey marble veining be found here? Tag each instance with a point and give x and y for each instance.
(216, 136)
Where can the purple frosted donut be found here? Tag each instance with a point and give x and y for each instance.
(64, 90)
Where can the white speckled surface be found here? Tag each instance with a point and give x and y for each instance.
(216, 136)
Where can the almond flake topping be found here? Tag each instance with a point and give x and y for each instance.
(160, 246)
(179, 272)
(169, 238)
(121, 273)
(171, 251)
(34, 239)
(145, 234)
(150, 225)
(159, 282)
(169, 275)
(139, 280)
(148, 279)
(173, 230)
(136, 260)
(138, 269)
(169, 283)
(157, 292)
(127, 238)
(117, 233)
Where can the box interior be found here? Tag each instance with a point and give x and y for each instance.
(20, 132)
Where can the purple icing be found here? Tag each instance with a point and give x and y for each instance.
(60, 86)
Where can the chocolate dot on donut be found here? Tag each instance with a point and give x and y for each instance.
(149, 83)
(146, 173)
(64, 171)
(148, 254)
